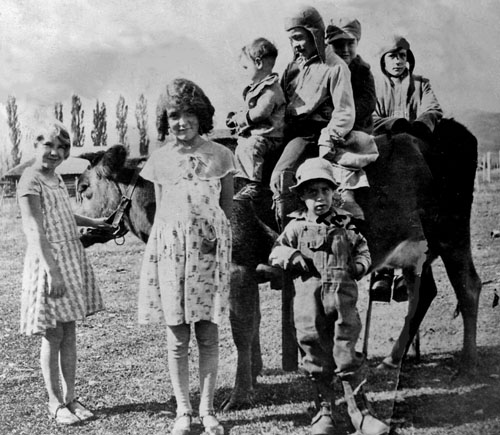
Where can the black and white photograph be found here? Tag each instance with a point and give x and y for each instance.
(241, 217)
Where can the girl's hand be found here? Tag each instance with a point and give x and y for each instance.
(97, 223)
(102, 225)
(57, 288)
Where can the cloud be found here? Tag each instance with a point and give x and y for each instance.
(100, 50)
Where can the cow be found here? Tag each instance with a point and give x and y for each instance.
(100, 192)
(417, 209)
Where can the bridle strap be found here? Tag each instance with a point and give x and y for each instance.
(126, 198)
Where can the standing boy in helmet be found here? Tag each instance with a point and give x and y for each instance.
(405, 101)
(326, 254)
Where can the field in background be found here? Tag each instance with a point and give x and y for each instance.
(122, 370)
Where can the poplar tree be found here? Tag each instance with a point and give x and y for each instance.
(121, 121)
(77, 126)
(98, 133)
(141, 115)
(58, 111)
(14, 130)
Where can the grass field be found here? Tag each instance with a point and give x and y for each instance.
(123, 376)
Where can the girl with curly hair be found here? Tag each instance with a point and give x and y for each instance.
(185, 272)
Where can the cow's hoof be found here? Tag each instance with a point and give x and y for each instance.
(237, 401)
(469, 364)
(467, 369)
(388, 364)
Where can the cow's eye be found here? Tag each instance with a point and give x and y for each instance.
(83, 191)
(82, 187)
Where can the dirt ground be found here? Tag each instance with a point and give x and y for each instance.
(122, 370)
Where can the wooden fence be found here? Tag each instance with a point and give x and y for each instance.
(488, 167)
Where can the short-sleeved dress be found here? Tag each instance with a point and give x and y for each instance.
(39, 311)
(186, 268)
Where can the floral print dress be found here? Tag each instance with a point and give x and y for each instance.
(186, 268)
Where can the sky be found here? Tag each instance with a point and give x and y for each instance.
(101, 49)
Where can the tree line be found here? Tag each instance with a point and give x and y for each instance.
(98, 134)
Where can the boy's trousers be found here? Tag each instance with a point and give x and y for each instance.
(301, 143)
(252, 152)
(327, 324)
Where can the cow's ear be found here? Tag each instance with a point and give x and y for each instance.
(113, 160)
(93, 158)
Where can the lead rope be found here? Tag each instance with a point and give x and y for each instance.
(124, 203)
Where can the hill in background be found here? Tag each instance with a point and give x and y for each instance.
(485, 126)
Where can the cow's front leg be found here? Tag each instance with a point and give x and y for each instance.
(243, 309)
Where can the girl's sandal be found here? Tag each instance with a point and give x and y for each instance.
(182, 424)
(77, 408)
(62, 415)
(211, 424)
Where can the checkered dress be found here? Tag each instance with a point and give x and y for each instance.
(39, 311)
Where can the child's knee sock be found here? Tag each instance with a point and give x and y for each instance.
(178, 365)
(207, 335)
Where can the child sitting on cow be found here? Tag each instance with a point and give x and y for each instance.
(59, 286)
(344, 37)
(260, 124)
(326, 253)
(319, 116)
(405, 101)
(185, 272)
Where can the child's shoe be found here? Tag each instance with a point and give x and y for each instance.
(400, 291)
(62, 415)
(381, 286)
(211, 424)
(322, 423)
(182, 424)
(77, 408)
(360, 413)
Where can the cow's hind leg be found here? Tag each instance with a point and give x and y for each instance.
(467, 286)
(243, 318)
(421, 292)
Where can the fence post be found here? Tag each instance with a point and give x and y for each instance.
(488, 166)
(483, 167)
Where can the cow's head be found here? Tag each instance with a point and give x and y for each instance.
(98, 191)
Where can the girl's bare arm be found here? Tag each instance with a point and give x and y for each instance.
(84, 221)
